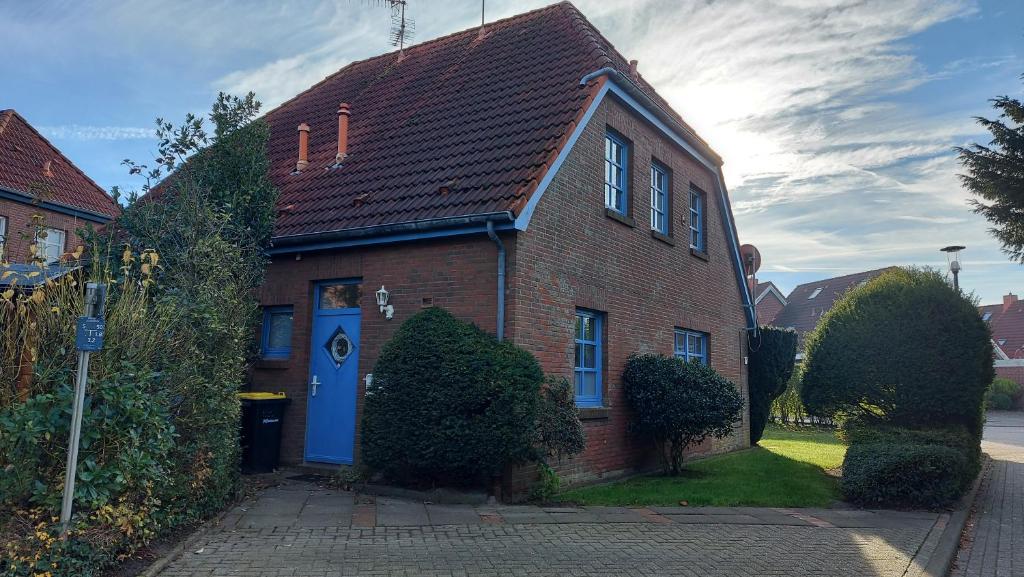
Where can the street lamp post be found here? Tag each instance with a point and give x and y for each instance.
(953, 257)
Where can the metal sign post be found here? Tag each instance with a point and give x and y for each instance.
(88, 338)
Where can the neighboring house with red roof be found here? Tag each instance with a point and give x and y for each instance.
(522, 175)
(44, 197)
(809, 301)
(768, 302)
(1006, 321)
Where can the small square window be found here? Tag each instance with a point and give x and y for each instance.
(49, 245)
(691, 346)
(277, 332)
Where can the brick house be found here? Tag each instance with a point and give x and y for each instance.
(1006, 321)
(768, 302)
(806, 304)
(522, 175)
(37, 180)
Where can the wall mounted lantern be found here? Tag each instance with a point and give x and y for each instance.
(382, 301)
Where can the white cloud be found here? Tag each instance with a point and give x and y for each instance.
(82, 132)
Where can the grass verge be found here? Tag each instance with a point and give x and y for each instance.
(787, 469)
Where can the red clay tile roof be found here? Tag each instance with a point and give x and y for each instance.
(1007, 327)
(802, 312)
(483, 116)
(23, 157)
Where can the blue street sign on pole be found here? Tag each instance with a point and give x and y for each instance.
(89, 333)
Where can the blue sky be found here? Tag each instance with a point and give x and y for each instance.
(836, 118)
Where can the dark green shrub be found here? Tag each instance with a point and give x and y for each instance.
(559, 429)
(904, 475)
(772, 356)
(1005, 386)
(679, 404)
(1000, 402)
(450, 404)
(955, 437)
(906, 349)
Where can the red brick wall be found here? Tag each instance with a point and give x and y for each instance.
(574, 255)
(767, 309)
(20, 231)
(457, 274)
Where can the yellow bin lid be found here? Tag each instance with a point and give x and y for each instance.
(260, 396)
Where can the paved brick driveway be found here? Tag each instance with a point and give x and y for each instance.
(299, 530)
(994, 544)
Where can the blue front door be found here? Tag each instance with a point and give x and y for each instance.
(333, 373)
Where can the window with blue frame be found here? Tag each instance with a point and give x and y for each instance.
(277, 332)
(659, 198)
(696, 219)
(691, 345)
(616, 173)
(587, 373)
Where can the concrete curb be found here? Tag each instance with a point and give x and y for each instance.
(941, 558)
(188, 543)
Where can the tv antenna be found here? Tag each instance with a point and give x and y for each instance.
(403, 28)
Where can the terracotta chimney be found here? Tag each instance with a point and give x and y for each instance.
(344, 111)
(632, 70)
(303, 161)
(1008, 301)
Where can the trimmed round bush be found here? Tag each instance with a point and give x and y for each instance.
(904, 475)
(449, 404)
(904, 350)
(771, 366)
(679, 404)
(1008, 387)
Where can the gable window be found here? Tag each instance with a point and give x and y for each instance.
(697, 220)
(587, 371)
(277, 332)
(659, 198)
(50, 245)
(691, 346)
(3, 236)
(616, 154)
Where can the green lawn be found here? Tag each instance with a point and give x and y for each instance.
(786, 470)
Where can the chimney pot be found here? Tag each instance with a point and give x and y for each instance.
(1008, 301)
(303, 160)
(633, 71)
(48, 168)
(344, 112)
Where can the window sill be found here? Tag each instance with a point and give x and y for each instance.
(594, 413)
(273, 364)
(618, 216)
(699, 254)
(663, 238)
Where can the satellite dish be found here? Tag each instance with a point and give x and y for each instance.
(751, 258)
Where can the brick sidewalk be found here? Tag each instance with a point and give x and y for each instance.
(298, 529)
(994, 541)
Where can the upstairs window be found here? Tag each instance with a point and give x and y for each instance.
(50, 245)
(816, 292)
(3, 236)
(659, 199)
(984, 317)
(277, 332)
(691, 346)
(587, 371)
(616, 155)
(697, 220)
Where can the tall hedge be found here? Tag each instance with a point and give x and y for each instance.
(772, 356)
(906, 349)
(449, 404)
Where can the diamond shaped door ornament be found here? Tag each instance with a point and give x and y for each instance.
(339, 346)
